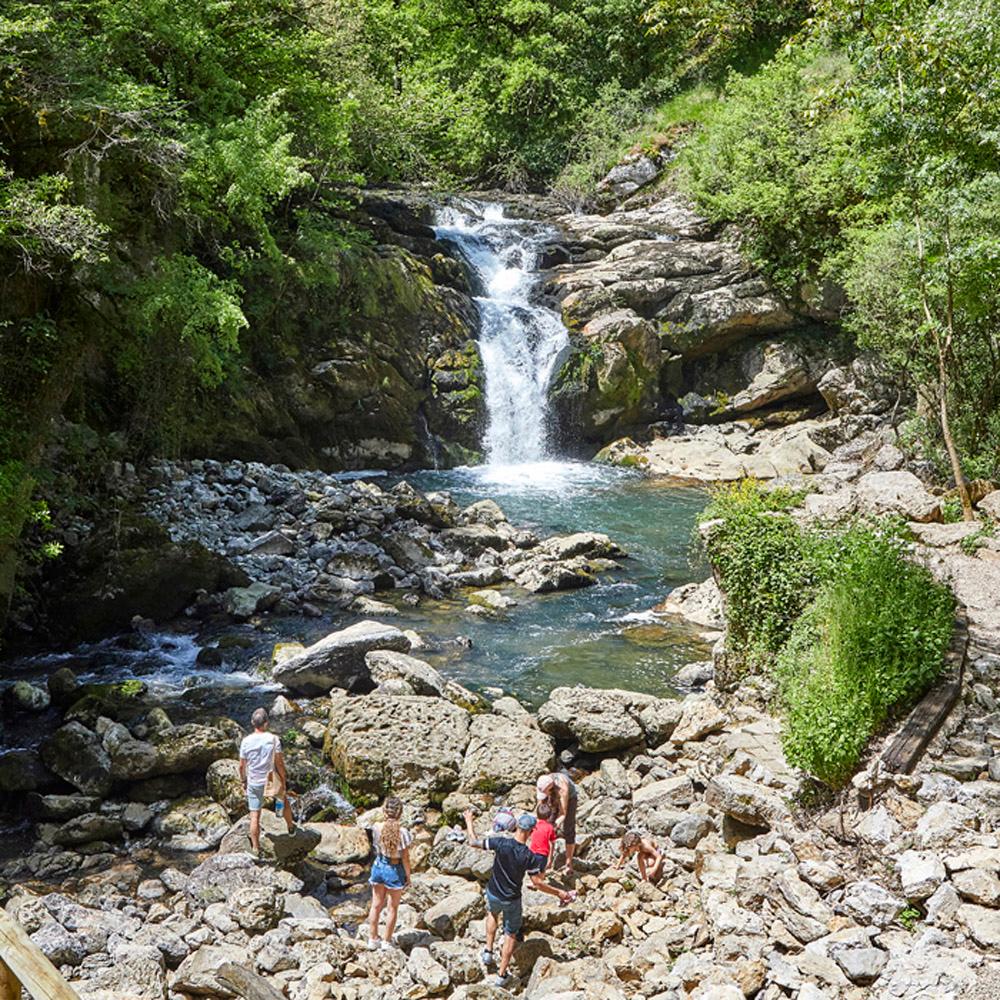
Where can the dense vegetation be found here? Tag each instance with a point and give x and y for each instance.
(171, 171)
(850, 629)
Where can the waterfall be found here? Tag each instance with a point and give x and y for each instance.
(520, 340)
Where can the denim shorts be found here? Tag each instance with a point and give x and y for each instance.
(512, 915)
(255, 797)
(384, 872)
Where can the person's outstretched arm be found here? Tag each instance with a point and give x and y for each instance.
(471, 830)
(538, 882)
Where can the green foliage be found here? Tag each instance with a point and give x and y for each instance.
(762, 558)
(872, 640)
(781, 159)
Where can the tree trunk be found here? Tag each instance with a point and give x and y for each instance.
(949, 442)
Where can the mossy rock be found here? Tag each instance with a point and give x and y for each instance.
(117, 700)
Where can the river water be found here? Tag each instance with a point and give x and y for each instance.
(604, 636)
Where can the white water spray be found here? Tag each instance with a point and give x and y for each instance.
(520, 340)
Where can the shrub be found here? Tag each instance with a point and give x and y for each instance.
(872, 641)
(763, 562)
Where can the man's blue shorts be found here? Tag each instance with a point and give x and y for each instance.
(512, 915)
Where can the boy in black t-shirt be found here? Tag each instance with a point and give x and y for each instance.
(512, 861)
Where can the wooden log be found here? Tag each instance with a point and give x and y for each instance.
(28, 967)
(247, 984)
(10, 988)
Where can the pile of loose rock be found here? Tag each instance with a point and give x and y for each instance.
(758, 899)
(308, 538)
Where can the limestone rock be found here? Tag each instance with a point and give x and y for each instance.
(199, 972)
(386, 664)
(870, 903)
(339, 843)
(222, 779)
(699, 717)
(338, 660)
(219, 877)
(244, 602)
(410, 745)
(284, 848)
(449, 917)
(746, 800)
(920, 873)
(983, 924)
(599, 720)
(191, 747)
(256, 908)
(502, 753)
(898, 493)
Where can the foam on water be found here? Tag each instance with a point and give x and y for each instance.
(520, 340)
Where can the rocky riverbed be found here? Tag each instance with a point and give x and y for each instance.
(760, 897)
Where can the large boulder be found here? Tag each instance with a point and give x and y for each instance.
(338, 660)
(220, 876)
(898, 493)
(285, 848)
(75, 754)
(131, 759)
(503, 753)
(746, 801)
(199, 973)
(407, 744)
(387, 664)
(599, 720)
(191, 747)
(340, 843)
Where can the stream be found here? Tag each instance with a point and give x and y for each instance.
(603, 636)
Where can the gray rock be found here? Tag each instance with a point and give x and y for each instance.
(870, 903)
(21, 770)
(502, 753)
(338, 660)
(244, 602)
(386, 664)
(920, 874)
(599, 720)
(897, 493)
(24, 697)
(411, 745)
(861, 965)
(76, 755)
(276, 843)
(746, 801)
(86, 828)
(690, 830)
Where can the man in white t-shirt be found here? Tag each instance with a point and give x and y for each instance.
(260, 752)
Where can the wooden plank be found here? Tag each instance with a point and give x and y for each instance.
(10, 988)
(29, 966)
(923, 723)
(921, 727)
(247, 984)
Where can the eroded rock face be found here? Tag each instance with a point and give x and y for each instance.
(408, 745)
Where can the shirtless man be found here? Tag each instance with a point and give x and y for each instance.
(559, 791)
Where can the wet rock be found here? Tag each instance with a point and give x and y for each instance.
(75, 754)
(21, 770)
(502, 753)
(61, 807)
(63, 686)
(410, 745)
(24, 697)
(244, 602)
(338, 660)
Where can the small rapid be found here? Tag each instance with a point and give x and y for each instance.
(520, 340)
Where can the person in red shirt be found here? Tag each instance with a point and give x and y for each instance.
(543, 837)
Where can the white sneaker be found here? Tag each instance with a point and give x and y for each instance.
(386, 946)
(373, 944)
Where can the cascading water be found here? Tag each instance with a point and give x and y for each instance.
(520, 340)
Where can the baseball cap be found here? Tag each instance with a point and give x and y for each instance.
(526, 821)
